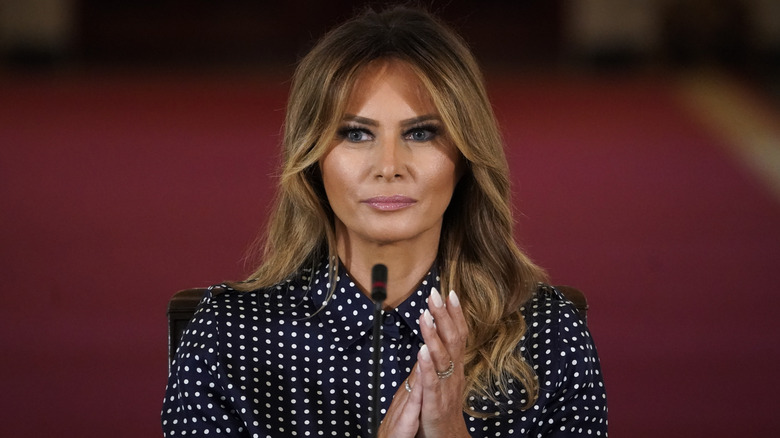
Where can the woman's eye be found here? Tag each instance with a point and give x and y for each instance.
(355, 135)
(421, 134)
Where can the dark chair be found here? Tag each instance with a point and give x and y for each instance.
(182, 306)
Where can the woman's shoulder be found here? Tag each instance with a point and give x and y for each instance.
(549, 306)
(559, 347)
(291, 291)
(222, 301)
(223, 310)
(557, 338)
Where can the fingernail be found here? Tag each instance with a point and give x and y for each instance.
(426, 355)
(454, 299)
(436, 297)
(428, 318)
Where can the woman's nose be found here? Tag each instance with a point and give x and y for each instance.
(391, 159)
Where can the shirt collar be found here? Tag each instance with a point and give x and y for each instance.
(349, 314)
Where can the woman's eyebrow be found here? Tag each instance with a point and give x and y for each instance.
(406, 122)
(420, 119)
(361, 120)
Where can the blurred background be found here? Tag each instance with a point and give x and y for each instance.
(139, 141)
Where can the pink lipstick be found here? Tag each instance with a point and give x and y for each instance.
(390, 203)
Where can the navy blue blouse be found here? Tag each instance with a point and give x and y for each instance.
(267, 364)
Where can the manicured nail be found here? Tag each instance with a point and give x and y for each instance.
(426, 355)
(436, 297)
(428, 318)
(454, 299)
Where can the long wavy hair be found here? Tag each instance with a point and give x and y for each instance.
(477, 254)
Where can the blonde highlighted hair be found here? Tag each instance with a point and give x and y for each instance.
(478, 256)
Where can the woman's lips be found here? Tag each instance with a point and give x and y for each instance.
(390, 203)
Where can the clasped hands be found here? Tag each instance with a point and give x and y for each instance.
(429, 403)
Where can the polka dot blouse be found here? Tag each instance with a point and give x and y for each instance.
(267, 364)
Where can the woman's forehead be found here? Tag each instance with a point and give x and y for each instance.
(389, 78)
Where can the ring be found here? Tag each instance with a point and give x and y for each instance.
(446, 373)
(407, 386)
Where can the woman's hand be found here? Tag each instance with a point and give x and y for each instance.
(429, 404)
(441, 368)
(403, 417)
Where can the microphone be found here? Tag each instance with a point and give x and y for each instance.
(378, 295)
(379, 283)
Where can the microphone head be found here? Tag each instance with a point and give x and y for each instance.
(379, 282)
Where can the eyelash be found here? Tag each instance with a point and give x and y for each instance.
(344, 131)
(431, 128)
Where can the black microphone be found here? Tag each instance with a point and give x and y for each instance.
(378, 294)
(379, 283)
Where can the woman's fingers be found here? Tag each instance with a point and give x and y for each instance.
(450, 322)
(435, 349)
(413, 401)
(428, 375)
(459, 320)
(403, 416)
(441, 397)
(444, 331)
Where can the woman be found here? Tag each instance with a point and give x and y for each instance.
(391, 155)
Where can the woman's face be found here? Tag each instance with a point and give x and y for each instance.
(390, 172)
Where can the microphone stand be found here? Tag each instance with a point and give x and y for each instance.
(378, 295)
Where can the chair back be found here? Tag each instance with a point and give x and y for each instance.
(181, 307)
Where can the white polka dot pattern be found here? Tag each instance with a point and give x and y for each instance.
(268, 364)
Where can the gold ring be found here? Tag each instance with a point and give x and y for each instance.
(448, 372)
(407, 386)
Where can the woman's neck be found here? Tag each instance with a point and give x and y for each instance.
(407, 263)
